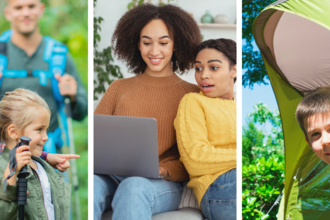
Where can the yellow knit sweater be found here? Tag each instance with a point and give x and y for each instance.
(206, 137)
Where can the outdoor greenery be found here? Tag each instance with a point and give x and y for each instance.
(263, 154)
(67, 21)
(263, 164)
(251, 57)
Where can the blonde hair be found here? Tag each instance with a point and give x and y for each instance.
(17, 108)
(315, 103)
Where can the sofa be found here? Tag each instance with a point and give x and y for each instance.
(187, 210)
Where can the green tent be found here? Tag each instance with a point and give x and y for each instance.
(294, 39)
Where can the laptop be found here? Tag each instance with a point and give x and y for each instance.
(126, 146)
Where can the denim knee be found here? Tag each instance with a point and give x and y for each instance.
(132, 189)
(104, 189)
(219, 201)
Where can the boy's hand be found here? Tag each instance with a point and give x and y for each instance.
(23, 157)
(60, 161)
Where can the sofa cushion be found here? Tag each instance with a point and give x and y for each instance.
(188, 198)
(181, 214)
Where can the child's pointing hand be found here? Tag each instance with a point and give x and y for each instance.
(60, 161)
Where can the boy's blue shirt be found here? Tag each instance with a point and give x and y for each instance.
(60, 191)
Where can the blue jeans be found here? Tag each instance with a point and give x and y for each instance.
(134, 197)
(219, 201)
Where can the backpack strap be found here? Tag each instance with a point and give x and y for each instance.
(3, 51)
(3, 60)
(55, 55)
(5, 36)
(54, 139)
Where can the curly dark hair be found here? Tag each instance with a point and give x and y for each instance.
(225, 46)
(180, 24)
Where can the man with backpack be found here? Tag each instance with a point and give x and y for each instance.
(30, 60)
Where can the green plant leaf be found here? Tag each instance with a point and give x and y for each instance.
(130, 5)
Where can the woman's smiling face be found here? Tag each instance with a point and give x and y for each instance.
(214, 75)
(156, 47)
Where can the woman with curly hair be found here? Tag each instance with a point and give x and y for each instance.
(155, 42)
(206, 130)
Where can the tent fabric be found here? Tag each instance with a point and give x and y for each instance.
(293, 37)
(300, 60)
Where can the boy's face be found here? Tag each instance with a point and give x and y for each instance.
(318, 132)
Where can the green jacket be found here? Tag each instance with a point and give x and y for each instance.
(35, 209)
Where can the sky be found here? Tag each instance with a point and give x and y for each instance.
(259, 93)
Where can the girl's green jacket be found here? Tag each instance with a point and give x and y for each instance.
(35, 209)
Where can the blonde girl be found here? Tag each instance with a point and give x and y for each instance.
(25, 113)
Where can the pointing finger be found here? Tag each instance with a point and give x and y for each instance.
(69, 156)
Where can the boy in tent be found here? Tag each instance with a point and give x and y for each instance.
(313, 115)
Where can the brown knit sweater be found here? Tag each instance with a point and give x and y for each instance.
(151, 97)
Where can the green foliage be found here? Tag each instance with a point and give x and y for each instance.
(135, 3)
(252, 60)
(263, 164)
(67, 22)
(103, 62)
(81, 143)
(255, 143)
(261, 115)
(262, 183)
(251, 138)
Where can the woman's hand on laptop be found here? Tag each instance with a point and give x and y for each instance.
(60, 161)
(162, 171)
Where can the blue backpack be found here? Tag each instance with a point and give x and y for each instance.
(55, 55)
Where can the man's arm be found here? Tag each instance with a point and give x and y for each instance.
(70, 84)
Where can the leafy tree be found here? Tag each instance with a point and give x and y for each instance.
(263, 163)
(252, 60)
(255, 143)
(251, 137)
(261, 115)
(262, 183)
